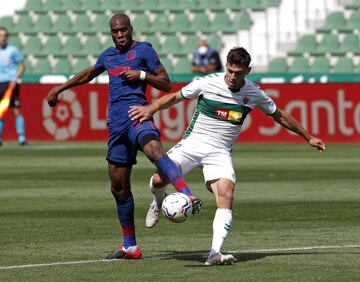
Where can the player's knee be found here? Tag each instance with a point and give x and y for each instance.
(229, 194)
(121, 195)
(119, 191)
(16, 111)
(153, 150)
(158, 181)
(225, 194)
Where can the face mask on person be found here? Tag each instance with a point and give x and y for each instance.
(202, 50)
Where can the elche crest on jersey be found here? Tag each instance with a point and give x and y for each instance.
(246, 100)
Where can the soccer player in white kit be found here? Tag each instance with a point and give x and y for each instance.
(224, 100)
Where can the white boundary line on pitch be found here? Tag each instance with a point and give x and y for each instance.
(183, 255)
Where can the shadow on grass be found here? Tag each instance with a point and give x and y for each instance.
(241, 257)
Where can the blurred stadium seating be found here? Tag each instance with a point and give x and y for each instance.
(333, 47)
(53, 32)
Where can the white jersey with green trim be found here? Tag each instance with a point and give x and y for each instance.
(220, 113)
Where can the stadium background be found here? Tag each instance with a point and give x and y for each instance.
(306, 55)
(296, 211)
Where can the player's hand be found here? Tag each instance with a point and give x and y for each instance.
(130, 75)
(317, 143)
(53, 97)
(139, 114)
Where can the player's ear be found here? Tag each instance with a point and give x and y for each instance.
(248, 70)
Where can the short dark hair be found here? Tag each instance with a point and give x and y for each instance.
(4, 29)
(239, 56)
(120, 17)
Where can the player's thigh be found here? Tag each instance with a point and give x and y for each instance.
(120, 176)
(186, 156)
(121, 150)
(217, 165)
(146, 137)
(142, 133)
(153, 148)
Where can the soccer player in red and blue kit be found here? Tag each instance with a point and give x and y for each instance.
(131, 65)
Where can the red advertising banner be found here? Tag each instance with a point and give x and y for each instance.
(330, 111)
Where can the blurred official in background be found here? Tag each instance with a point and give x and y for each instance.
(206, 59)
(12, 68)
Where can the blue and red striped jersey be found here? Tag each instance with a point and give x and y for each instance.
(140, 56)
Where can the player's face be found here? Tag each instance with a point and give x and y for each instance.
(3, 37)
(235, 75)
(121, 34)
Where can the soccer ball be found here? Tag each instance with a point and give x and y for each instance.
(177, 207)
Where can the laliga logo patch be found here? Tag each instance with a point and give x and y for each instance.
(63, 121)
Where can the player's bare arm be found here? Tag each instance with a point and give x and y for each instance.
(21, 70)
(19, 74)
(81, 77)
(142, 113)
(159, 79)
(289, 122)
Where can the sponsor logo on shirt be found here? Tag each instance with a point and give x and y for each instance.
(228, 114)
(117, 70)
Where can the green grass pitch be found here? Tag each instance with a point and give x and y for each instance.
(56, 206)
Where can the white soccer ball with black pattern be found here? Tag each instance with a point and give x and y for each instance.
(177, 207)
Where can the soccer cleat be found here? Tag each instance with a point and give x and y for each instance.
(220, 259)
(196, 203)
(152, 215)
(123, 254)
(0, 142)
(23, 143)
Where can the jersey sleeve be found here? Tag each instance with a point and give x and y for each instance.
(100, 61)
(17, 57)
(265, 103)
(152, 59)
(193, 89)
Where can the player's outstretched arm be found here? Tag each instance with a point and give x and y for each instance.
(142, 113)
(81, 77)
(158, 79)
(289, 122)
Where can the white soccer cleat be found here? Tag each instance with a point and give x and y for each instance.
(153, 215)
(220, 259)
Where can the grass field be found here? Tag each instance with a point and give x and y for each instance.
(55, 206)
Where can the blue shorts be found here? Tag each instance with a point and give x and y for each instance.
(123, 144)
